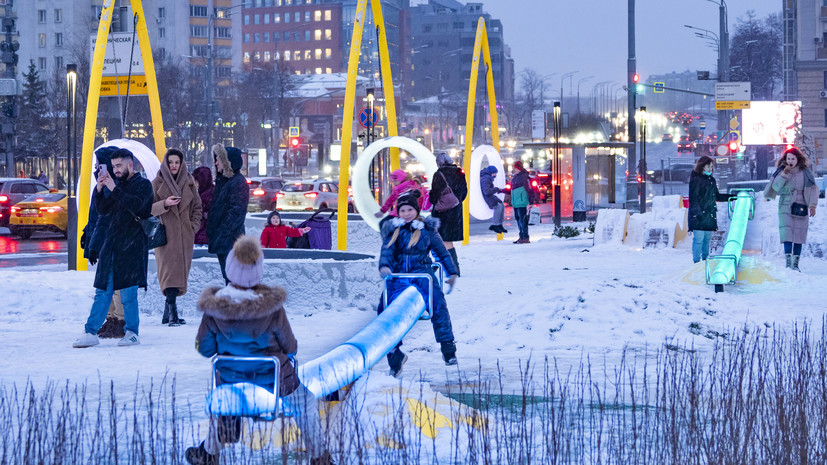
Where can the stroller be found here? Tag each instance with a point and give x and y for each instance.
(320, 235)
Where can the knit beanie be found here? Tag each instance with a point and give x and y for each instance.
(519, 165)
(399, 175)
(245, 263)
(234, 156)
(410, 198)
(491, 169)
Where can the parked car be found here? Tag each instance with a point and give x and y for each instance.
(666, 138)
(14, 190)
(686, 144)
(263, 193)
(45, 211)
(310, 195)
(676, 172)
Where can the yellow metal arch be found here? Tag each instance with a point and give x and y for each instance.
(350, 100)
(481, 50)
(90, 124)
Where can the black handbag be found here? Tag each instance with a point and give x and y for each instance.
(799, 209)
(154, 230)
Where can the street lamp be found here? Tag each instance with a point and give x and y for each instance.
(580, 81)
(563, 79)
(642, 181)
(557, 131)
(71, 159)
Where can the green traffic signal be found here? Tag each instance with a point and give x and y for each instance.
(640, 88)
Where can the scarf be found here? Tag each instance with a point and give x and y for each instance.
(175, 183)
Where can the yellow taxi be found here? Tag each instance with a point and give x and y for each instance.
(44, 211)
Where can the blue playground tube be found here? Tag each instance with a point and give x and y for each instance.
(350, 360)
(741, 209)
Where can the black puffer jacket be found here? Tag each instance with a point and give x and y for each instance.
(229, 209)
(703, 193)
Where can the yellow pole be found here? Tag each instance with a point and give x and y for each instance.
(151, 80)
(387, 78)
(469, 128)
(347, 122)
(492, 99)
(91, 123)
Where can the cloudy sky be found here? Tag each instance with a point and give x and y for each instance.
(589, 36)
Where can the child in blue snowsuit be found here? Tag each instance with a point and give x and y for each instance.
(408, 242)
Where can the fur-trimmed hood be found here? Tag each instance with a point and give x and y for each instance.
(430, 223)
(220, 152)
(269, 301)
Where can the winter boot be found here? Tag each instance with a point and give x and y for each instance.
(173, 315)
(794, 263)
(113, 328)
(324, 459)
(396, 359)
(199, 456)
(789, 260)
(453, 252)
(165, 318)
(449, 353)
(118, 328)
(229, 429)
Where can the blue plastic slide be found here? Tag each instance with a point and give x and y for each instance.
(722, 269)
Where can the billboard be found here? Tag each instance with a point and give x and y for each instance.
(771, 123)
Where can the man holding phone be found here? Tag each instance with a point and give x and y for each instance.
(123, 256)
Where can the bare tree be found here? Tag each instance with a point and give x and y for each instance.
(756, 53)
(532, 93)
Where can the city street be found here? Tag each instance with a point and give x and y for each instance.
(41, 249)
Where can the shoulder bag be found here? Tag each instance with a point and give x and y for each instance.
(447, 198)
(154, 230)
(799, 209)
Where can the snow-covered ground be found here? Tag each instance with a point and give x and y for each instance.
(556, 298)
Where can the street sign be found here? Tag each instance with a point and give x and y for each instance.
(367, 118)
(722, 150)
(293, 131)
(733, 91)
(659, 87)
(703, 125)
(735, 136)
(733, 123)
(723, 160)
(118, 52)
(110, 88)
(732, 105)
(538, 124)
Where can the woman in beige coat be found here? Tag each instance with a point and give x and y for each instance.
(797, 192)
(178, 205)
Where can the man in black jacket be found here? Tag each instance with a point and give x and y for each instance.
(229, 206)
(123, 257)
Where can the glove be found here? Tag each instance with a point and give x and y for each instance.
(83, 240)
(451, 280)
(384, 272)
(93, 257)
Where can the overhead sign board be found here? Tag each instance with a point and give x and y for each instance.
(116, 85)
(659, 87)
(732, 105)
(729, 91)
(538, 124)
(119, 49)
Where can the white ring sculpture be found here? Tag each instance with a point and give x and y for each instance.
(478, 208)
(362, 195)
(142, 153)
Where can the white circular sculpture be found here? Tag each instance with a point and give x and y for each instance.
(142, 153)
(362, 195)
(478, 208)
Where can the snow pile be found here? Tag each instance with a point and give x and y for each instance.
(610, 227)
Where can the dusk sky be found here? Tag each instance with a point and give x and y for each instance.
(590, 36)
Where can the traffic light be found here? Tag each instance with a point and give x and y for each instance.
(636, 78)
(294, 142)
(734, 148)
(639, 88)
(9, 52)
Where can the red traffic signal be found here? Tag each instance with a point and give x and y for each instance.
(636, 78)
(733, 147)
(294, 142)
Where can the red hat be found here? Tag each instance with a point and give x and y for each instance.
(518, 164)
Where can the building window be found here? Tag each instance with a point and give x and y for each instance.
(287, 17)
(296, 37)
(58, 63)
(317, 15)
(458, 25)
(286, 36)
(267, 18)
(306, 16)
(297, 17)
(198, 31)
(246, 20)
(276, 18)
(307, 55)
(220, 13)
(256, 37)
(328, 70)
(41, 63)
(266, 37)
(328, 16)
(825, 117)
(198, 11)
(246, 38)
(266, 56)
(307, 36)
(256, 19)
(276, 37)
(318, 71)
(318, 53)
(162, 52)
(246, 57)
(223, 33)
(41, 16)
(317, 34)
(287, 55)
(58, 15)
(223, 71)
(162, 13)
(328, 53)
(426, 28)
(442, 27)
(328, 34)
(41, 40)
(58, 39)
(825, 73)
(257, 56)
(162, 33)
(297, 56)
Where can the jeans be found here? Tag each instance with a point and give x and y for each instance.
(700, 245)
(100, 307)
(792, 248)
(499, 214)
(521, 216)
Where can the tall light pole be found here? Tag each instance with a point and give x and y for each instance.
(557, 131)
(631, 74)
(580, 81)
(642, 159)
(563, 79)
(71, 159)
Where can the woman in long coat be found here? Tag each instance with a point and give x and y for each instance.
(703, 213)
(450, 220)
(203, 179)
(178, 205)
(794, 183)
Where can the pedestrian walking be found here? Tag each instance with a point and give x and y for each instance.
(247, 318)
(205, 185)
(178, 205)
(275, 234)
(703, 213)
(794, 184)
(448, 190)
(123, 256)
(229, 207)
(489, 191)
(43, 178)
(522, 195)
(408, 242)
(401, 182)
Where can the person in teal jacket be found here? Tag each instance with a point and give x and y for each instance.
(521, 197)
